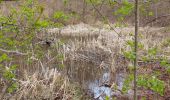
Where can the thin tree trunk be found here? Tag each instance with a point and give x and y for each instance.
(84, 10)
(136, 47)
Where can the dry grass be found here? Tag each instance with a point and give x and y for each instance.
(50, 85)
(84, 37)
(84, 46)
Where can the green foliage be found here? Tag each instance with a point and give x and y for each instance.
(125, 9)
(112, 2)
(152, 51)
(144, 98)
(60, 57)
(150, 14)
(42, 24)
(95, 2)
(3, 57)
(21, 24)
(18, 33)
(130, 55)
(59, 15)
(145, 81)
(132, 44)
(145, 58)
(166, 42)
(152, 83)
(65, 2)
(148, 82)
(145, 9)
(8, 73)
(165, 63)
(119, 24)
(107, 98)
(127, 83)
(59, 18)
(13, 87)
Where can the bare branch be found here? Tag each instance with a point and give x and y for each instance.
(13, 52)
(104, 18)
(159, 17)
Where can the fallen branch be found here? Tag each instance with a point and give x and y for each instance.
(13, 52)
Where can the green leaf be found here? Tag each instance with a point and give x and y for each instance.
(12, 88)
(164, 62)
(42, 24)
(152, 51)
(8, 75)
(125, 9)
(130, 43)
(107, 98)
(3, 57)
(130, 55)
(150, 14)
(60, 15)
(151, 82)
(13, 67)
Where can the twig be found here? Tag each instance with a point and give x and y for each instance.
(100, 8)
(104, 18)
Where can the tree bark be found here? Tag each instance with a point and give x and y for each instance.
(136, 47)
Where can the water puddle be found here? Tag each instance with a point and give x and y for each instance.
(101, 87)
(97, 81)
(92, 68)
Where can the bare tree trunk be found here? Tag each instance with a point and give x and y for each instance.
(136, 47)
(84, 10)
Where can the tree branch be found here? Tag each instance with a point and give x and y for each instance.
(13, 52)
(104, 18)
(159, 17)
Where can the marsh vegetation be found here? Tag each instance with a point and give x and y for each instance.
(84, 50)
